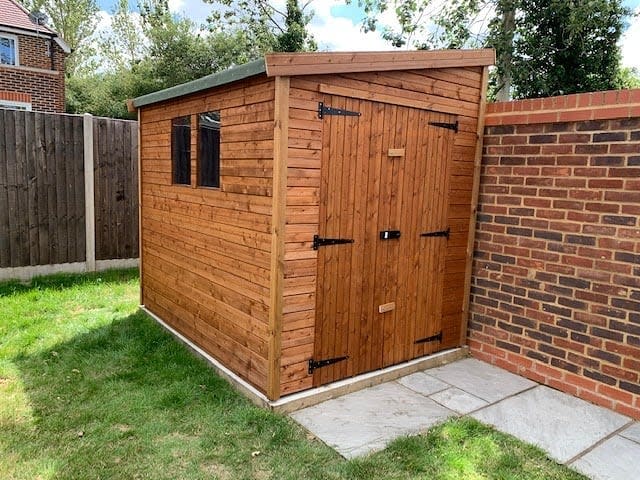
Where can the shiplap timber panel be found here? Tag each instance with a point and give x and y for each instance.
(207, 252)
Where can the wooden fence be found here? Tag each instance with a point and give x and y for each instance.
(68, 193)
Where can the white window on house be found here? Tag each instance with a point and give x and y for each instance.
(8, 50)
(15, 105)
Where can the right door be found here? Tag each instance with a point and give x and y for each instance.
(383, 197)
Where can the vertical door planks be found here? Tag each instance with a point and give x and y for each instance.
(365, 190)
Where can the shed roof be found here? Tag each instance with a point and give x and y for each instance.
(292, 64)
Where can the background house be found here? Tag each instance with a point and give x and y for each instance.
(32, 60)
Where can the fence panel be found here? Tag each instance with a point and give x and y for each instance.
(41, 212)
(42, 189)
(116, 188)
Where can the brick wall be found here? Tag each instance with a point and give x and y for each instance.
(39, 75)
(556, 279)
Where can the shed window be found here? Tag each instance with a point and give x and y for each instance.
(209, 149)
(8, 50)
(181, 150)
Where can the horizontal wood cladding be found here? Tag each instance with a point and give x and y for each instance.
(206, 252)
(454, 90)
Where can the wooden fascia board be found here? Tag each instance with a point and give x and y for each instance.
(278, 221)
(278, 64)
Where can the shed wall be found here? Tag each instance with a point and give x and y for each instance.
(206, 252)
(449, 90)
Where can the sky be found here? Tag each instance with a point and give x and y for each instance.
(337, 27)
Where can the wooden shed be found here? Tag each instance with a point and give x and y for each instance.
(306, 218)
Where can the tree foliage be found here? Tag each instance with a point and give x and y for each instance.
(268, 28)
(543, 47)
(151, 51)
(567, 47)
(74, 21)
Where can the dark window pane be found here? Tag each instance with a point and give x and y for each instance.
(209, 151)
(181, 150)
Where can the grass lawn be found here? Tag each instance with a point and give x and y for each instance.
(91, 388)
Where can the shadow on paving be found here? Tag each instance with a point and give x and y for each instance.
(128, 401)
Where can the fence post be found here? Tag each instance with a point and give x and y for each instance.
(89, 199)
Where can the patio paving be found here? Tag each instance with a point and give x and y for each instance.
(595, 441)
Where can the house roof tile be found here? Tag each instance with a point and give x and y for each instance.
(13, 15)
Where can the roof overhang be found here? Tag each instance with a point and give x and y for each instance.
(293, 64)
(37, 33)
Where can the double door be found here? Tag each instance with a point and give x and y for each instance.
(382, 237)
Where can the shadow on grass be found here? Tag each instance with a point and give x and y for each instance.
(67, 280)
(125, 400)
(128, 401)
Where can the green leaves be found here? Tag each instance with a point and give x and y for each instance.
(543, 47)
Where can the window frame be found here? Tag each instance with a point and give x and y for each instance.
(186, 151)
(16, 55)
(11, 105)
(217, 182)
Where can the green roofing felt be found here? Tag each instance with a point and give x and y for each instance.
(214, 80)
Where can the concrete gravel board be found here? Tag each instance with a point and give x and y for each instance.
(367, 420)
(481, 379)
(616, 459)
(561, 424)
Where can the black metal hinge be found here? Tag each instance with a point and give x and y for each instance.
(321, 242)
(432, 338)
(450, 126)
(315, 364)
(440, 233)
(325, 110)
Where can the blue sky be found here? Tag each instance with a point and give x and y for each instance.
(336, 26)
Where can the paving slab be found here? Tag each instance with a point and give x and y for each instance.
(422, 383)
(458, 400)
(632, 433)
(560, 424)
(482, 380)
(617, 458)
(367, 420)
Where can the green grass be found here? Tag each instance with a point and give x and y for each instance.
(91, 388)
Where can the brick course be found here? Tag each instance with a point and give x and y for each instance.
(38, 75)
(556, 279)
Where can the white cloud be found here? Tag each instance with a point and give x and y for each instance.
(339, 33)
(630, 43)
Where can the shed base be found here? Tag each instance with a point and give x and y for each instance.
(296, 401)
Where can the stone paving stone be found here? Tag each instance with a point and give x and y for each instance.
(422, 383)
(458, 400)
(367, 420)
(632, 433)
(617, 458)
(560, 424)
(481, 379)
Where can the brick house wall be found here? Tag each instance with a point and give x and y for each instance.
(556, 276)
(37, 74)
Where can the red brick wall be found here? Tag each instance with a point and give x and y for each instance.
(36, 74)
(556, 279)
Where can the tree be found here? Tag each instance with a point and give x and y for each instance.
(75, 22)
(125, 43)
(295, 37)
(267, 28)
(566, 47)
(537, 42)
(150, 52)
